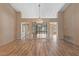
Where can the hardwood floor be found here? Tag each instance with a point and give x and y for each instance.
(39, 47)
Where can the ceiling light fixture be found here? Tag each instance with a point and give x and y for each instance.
(39, 19)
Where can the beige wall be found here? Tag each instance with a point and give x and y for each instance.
(7, 24)
(60, 25)
(71, 23)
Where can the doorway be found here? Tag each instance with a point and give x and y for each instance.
(40, 30)
(45, 30)
(24, 31)
(54, 30)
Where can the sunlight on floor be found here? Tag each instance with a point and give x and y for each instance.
(41, 35)
(55, 38)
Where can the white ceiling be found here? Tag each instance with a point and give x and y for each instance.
(31, 10)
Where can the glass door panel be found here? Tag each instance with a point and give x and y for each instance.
(24, 31)
(40, 30)
(54, 30)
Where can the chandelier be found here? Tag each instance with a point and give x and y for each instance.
(39, 19)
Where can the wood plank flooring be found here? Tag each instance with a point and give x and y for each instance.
(39, 47)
